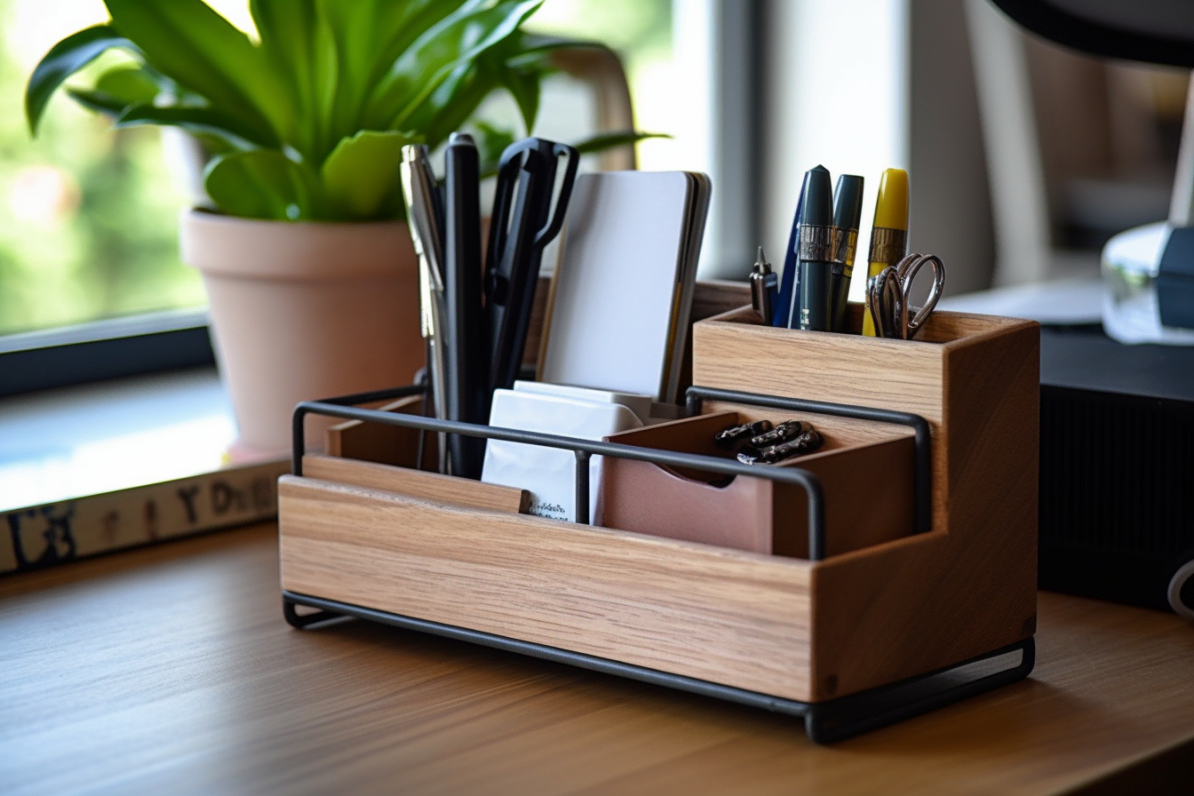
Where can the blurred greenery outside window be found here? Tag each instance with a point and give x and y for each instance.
(88, 215)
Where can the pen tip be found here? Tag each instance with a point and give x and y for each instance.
(760, 258)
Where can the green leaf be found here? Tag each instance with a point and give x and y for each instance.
(129, 84)
(63, 60)
(202, 51)
(518, 63)
(361, 175)
(397, 26)
(454, 42)
(208, 121)
(297, 46)
(264, 184)
(117, 89)
(523, 85)
(491, 143)
(604, 141)
(368, 37)
(97, 101)
(453, 103)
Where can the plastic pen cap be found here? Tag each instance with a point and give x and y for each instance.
(816, 218)
(847, 215)
(818, 198)
(891, 208)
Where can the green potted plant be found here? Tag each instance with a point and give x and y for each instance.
(305, 255)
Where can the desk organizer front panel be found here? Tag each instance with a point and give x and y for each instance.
(736, 618)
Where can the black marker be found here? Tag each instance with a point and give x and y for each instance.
(847, 215)
(816, 254)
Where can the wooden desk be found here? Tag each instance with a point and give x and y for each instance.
(170, 670)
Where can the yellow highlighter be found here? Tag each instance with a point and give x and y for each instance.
(889, 234)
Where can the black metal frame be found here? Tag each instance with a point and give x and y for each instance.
(826, 721)
(583, 449)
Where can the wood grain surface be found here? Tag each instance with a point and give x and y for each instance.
(375, 442)
(170, 670)
(417, 483)
(722, 615)
(969, 586)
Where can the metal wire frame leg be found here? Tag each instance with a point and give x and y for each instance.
(838, 719)
(824, 722)
(300, 621)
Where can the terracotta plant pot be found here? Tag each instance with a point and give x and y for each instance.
(304, 310)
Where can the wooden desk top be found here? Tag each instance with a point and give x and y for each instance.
(171, 670)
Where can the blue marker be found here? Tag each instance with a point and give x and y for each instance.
(788, 291)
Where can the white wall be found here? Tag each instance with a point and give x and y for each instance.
(836, 95)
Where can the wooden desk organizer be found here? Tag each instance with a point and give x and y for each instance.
(846, 641)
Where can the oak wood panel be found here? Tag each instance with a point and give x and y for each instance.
(734, 352)
(169, 670)
(973, 589)
(417, 483)
(914, 607)
(375, 442)
(722, 615)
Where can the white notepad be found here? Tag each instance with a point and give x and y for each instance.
(624, 282)
(549, 473)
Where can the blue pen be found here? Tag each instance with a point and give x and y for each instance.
(788, 292)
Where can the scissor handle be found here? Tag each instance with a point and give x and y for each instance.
(908, 268)
(883, 299)
(556, 221)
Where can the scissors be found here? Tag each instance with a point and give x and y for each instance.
(887, 296)
(525, 219)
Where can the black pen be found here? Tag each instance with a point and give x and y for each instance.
(816, 254)
(465, 356)
(847, 215)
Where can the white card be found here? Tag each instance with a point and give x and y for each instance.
(549, 474)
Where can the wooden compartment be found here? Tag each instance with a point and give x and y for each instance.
(771, 625)
(756, 514)
(927, 601)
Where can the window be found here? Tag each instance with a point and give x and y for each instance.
(87, 214)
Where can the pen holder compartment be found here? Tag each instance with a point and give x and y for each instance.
(969, 583)
(755, 514)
